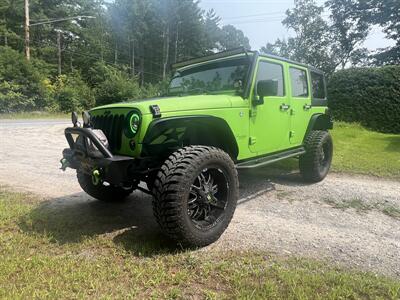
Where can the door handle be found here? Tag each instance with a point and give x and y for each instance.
(284, 107)
(307, 107)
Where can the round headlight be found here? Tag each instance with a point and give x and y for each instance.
(133, 124)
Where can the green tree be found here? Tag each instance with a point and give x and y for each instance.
(232, 37)
(129, 43)
(347, 36)
(385, 13)
(312, 40)
(212, 30)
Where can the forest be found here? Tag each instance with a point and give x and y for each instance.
(88, 52)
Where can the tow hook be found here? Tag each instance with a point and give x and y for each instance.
(96, 177)
(64, 164)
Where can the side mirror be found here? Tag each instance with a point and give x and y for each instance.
(266, 88)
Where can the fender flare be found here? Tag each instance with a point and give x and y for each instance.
(319, 122)
(214, 127)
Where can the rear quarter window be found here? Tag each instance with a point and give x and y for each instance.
(318, 85)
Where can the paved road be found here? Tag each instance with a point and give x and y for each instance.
(277, 212)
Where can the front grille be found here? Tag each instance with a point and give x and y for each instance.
(112, 126)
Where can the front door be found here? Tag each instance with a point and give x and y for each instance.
(270, 122)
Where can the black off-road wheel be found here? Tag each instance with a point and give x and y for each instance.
(316, 162)
(195, 195)
(101, 191)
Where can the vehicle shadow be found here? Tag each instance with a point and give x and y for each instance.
(76, 217)
(254, 182)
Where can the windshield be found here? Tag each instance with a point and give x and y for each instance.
(219, 77)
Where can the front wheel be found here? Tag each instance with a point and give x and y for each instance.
(195, 195)
(316, 162)
(100, 190)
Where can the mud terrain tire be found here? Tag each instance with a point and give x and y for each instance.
(315, 163)
(195, 195)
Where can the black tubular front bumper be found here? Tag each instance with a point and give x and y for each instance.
(88, 133)
(114, 169)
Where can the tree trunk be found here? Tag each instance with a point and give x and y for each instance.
(71, 62)
(142, 66)
(26, 28)
(116, 54)
(176, 42)
(133, 57)
(166, 52)
(59, 51)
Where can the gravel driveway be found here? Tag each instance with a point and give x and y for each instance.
(351, 220)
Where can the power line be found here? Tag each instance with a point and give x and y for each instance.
(256, 15)
(266, 20)
(271, 20)
(62, 20)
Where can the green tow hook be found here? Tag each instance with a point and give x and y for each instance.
(96, 178)
(64, 164)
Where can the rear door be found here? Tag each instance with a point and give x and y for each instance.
(300, 103)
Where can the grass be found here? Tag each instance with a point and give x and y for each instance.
(354, 203)
(361, 206)
(50, 252)
(358, 150)
(361, 151)
(34, 115)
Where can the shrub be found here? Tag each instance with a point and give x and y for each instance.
(112, 85)
(72, 93)
(370, 96)
(154, 90)
(12, 99)
(22, 81)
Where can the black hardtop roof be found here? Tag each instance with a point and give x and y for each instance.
(237, 51)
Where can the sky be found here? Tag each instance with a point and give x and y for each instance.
(260, 20)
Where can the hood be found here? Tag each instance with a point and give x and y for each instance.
(171, 104)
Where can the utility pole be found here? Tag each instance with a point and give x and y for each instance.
(26, 27)
(59, 51)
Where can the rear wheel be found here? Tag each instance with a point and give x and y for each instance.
(196, 192)
(102, 191)
(316, 162)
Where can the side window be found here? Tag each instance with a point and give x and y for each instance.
(318, 85)
(274, 72)
(298, 78)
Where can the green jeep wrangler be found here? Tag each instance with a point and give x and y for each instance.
(233, 110)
